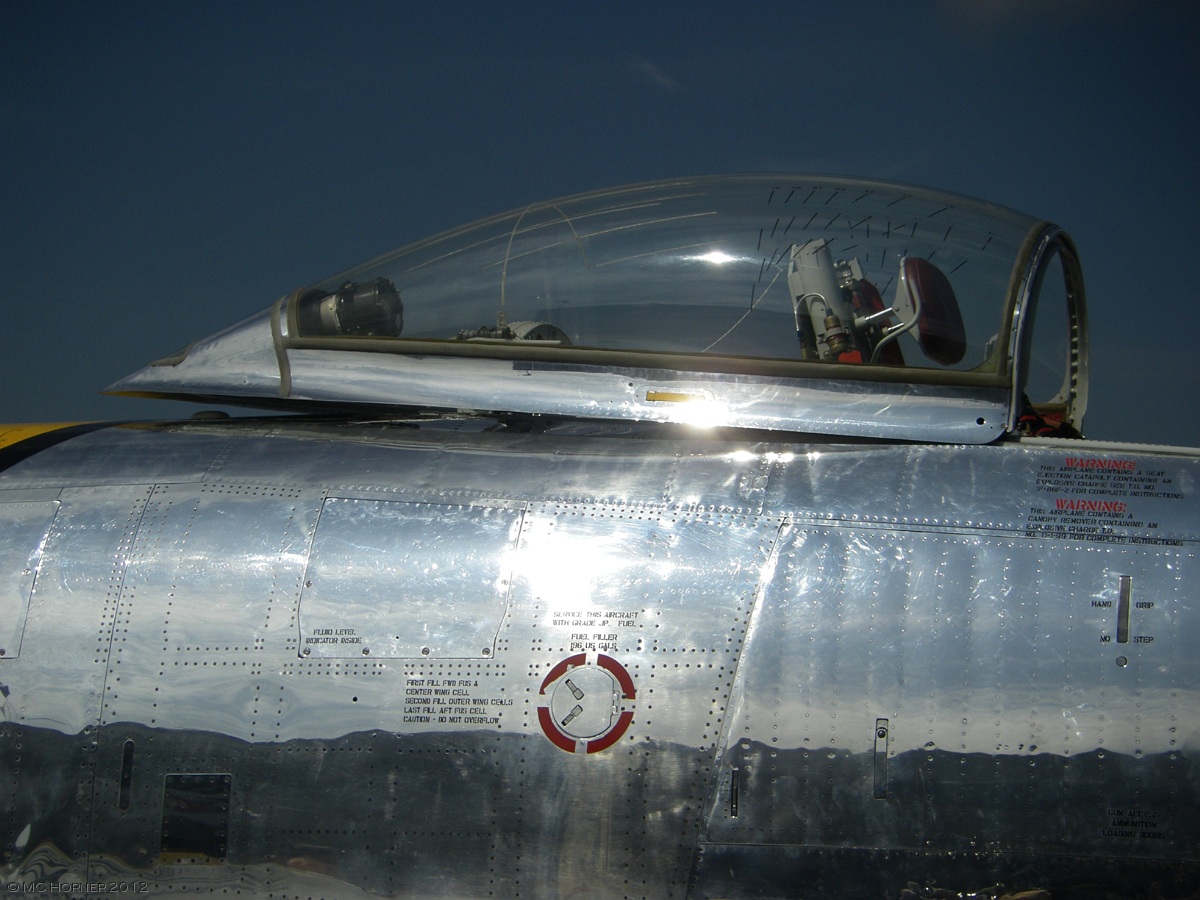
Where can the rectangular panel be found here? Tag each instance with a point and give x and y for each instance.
(1124, 594)
(195, 821)
(23, 528)
(52, 696)
(664, 593)
(389, 578)
(216, 567)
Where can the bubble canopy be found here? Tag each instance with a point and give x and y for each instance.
(795, 303)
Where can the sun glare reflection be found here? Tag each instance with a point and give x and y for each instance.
(716, 257)
(563, 568)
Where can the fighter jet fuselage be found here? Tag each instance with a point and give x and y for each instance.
(720, 626)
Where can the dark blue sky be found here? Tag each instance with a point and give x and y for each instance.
(171, 168)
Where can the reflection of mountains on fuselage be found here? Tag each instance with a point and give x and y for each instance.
(392, 813)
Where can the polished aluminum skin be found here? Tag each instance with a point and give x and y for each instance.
(286, 658)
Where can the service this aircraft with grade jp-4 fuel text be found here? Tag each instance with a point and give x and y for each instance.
(718, 537)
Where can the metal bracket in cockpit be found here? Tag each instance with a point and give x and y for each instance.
(841, 317)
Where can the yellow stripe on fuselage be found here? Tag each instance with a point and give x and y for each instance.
(14, 434)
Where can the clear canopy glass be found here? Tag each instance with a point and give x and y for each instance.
(756, 267)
